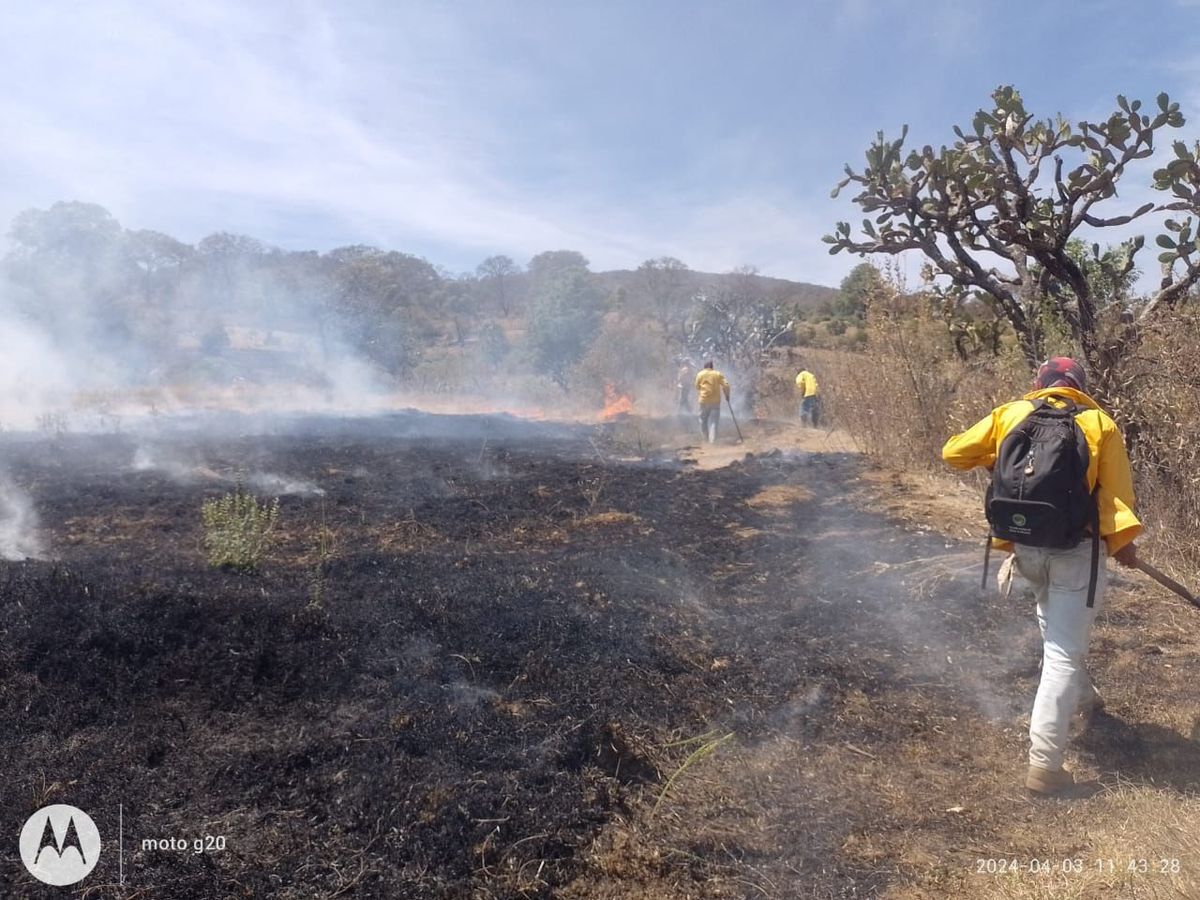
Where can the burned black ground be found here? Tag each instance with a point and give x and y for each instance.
(484, 671)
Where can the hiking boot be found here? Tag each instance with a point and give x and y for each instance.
(1048, 781)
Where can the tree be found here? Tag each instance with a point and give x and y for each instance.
(997, 210)
(395, 343)
(549, 265)
(386, 303)
(455, 299)
(70, 230)
(78, 278)
(666, 286)
(495, 270)
(739, 323)
(1111, 274)
(493, 344)
(567, 308)
(856, 289)
(373, 283)
(153, 251)
(225, 259)
(223, 245)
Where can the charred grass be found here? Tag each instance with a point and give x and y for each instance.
(518, 643)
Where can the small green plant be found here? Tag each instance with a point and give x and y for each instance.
(709, 743)
(325, 549)
(237, 529)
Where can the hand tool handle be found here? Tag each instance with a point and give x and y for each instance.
(735, 421)
(1168, 582)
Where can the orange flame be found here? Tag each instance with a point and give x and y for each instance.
(616, 403)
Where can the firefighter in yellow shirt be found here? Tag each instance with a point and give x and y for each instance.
(1063, 577)
(810, 400)
(711, 384)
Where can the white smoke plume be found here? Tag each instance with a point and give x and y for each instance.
(103, 326)
(18, 524)
(190, 470)
(279, 485)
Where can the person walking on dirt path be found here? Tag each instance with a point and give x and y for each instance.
(683, 384)
(810, 400)
(711, 384)
(1061, 573)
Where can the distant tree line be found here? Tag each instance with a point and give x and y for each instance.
(74, 270)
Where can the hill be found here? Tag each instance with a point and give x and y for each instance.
(802, 293)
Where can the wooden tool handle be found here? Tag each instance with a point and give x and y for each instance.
(1168, 582)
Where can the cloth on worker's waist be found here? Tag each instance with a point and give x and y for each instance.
(1108, 461)
(710, 383)
(807, 383)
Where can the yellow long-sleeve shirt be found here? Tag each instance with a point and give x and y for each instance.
(710, 383)
(1108, 460)
(806, 382)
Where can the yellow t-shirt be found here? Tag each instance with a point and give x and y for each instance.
(710, 383)
(806, 381)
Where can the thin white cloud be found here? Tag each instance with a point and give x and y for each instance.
(137, 106)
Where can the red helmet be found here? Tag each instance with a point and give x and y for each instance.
(1061, 371)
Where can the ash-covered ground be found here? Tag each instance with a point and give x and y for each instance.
(476, 654)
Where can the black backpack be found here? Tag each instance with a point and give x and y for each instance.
(1039, 494)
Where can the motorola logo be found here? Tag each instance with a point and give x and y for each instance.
(60, 844)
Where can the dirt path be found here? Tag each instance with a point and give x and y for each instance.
(883, 670)
(901, 742)
(757, 440)
(516, 637)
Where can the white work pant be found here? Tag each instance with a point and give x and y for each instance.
(710, 418)
(1060, 582)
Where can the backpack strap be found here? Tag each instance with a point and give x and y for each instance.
(1069, 407)
(1094, 576)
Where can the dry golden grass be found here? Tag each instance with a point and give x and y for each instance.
(608, 518)
(1140, 843)
(400, 536)
(779, 497)
(121, 526)
(744, 533)
(937, 502)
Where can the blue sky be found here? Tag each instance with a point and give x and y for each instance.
(708, 131)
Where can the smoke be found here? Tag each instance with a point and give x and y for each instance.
(189, 469)
(35, 376)
(269, 483)
(934, 620)
(102, 325)
(18, 524)
(175, 468)
(111, 329)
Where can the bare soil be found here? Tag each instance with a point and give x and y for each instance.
(505, 659)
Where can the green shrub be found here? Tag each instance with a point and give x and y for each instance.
(237, 529)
